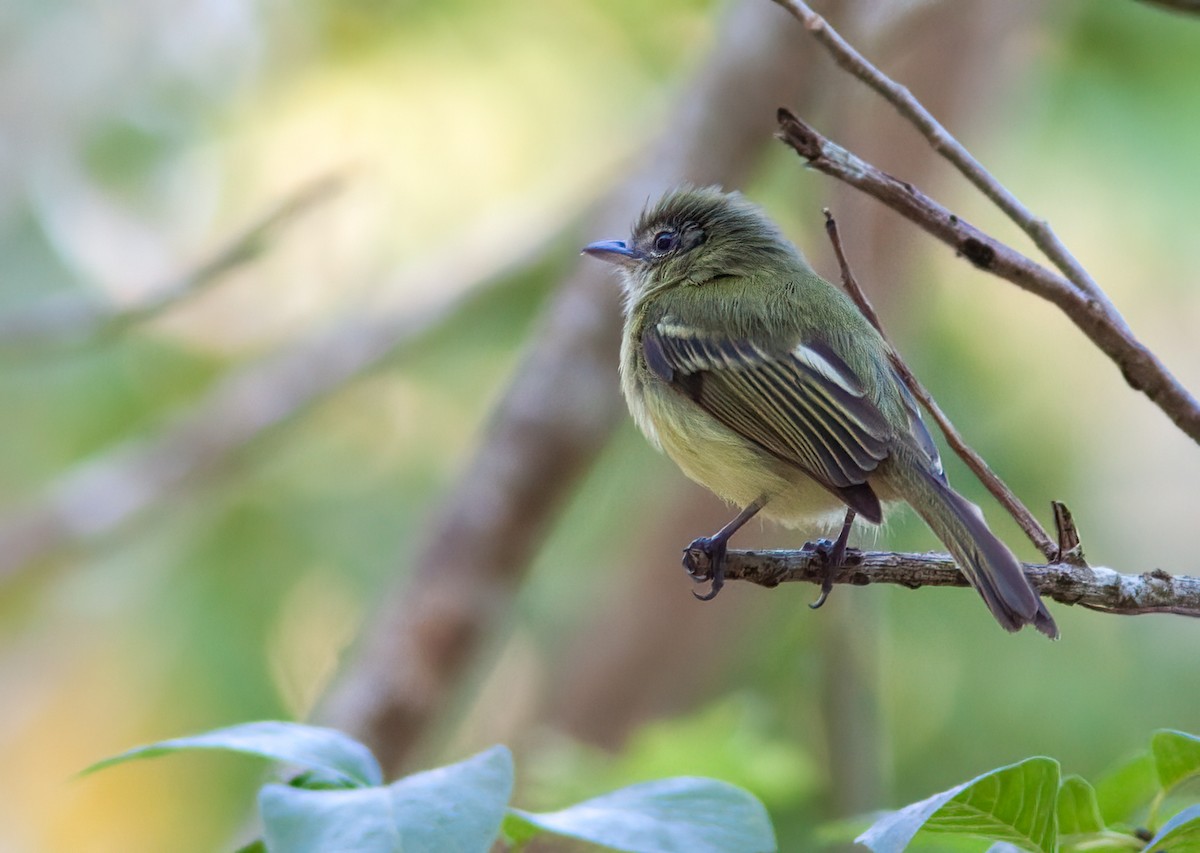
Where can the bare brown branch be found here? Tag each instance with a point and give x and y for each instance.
(945, 144)
(1095, 588)
(1140, 367)
(1007, 498)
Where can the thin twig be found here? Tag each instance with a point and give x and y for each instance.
(1140, 367)
(1028, 523)
(73, 318)
(945, 144)
(1095, 588)
(1070, 548)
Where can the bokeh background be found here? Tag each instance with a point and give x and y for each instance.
(216, 507)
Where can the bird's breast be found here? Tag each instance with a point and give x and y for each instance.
(724, 462)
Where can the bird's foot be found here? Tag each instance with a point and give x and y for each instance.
(833, 555)
(704, 560)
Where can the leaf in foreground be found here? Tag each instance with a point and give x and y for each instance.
(1176, 757)
(1125, 790)
(453, 809)
(314, 747)
(1181, 834)
(685, 814)
(1015, 804)
(1078, 811)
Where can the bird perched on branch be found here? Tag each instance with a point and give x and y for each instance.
(768, 386)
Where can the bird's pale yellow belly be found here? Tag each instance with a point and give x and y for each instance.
(728, 465)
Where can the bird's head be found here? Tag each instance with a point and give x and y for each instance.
(694, 236)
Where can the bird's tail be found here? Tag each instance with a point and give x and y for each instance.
(985, 560)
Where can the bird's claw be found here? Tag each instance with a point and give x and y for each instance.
(833, 559)
(717, 583)
(704, 560)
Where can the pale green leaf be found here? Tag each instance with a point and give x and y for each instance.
(1124, 791)
(1181, 834)
(1078, 811)
(1176, 757)
(680, 815)
(313, 747)
(454, 809)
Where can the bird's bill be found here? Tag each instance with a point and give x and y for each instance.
(613, 252)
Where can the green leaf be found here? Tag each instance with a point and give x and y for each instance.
(1124, 791)
(1078, 811)
(1181, 834)
(454, 809)
(686, 814)
(299, 820)
(1176, 757)
(1014, 804)
(326, 750)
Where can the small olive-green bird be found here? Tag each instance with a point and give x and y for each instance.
(768, 386)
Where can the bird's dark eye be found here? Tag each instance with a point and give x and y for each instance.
(665, 241)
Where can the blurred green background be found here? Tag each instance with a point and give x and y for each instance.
(139, 138)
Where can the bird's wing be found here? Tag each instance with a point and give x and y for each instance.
(920, 433)
(805, 406)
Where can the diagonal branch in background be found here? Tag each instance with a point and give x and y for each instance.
(556, 415)
(112, 490)
(1140, 367)
(1095, 588)
(1001, 492)
(69, 317)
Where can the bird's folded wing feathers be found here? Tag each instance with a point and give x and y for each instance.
(805, 406)
(918, 430)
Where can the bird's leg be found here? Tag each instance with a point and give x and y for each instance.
(835, 555)
(711, 550)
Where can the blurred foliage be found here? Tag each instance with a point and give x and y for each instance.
(339, 801)
(180, 121)
(1032, 806)
(734, 739)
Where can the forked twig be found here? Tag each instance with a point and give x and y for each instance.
(945, 144)
(1140, 367)
(1080, 298)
